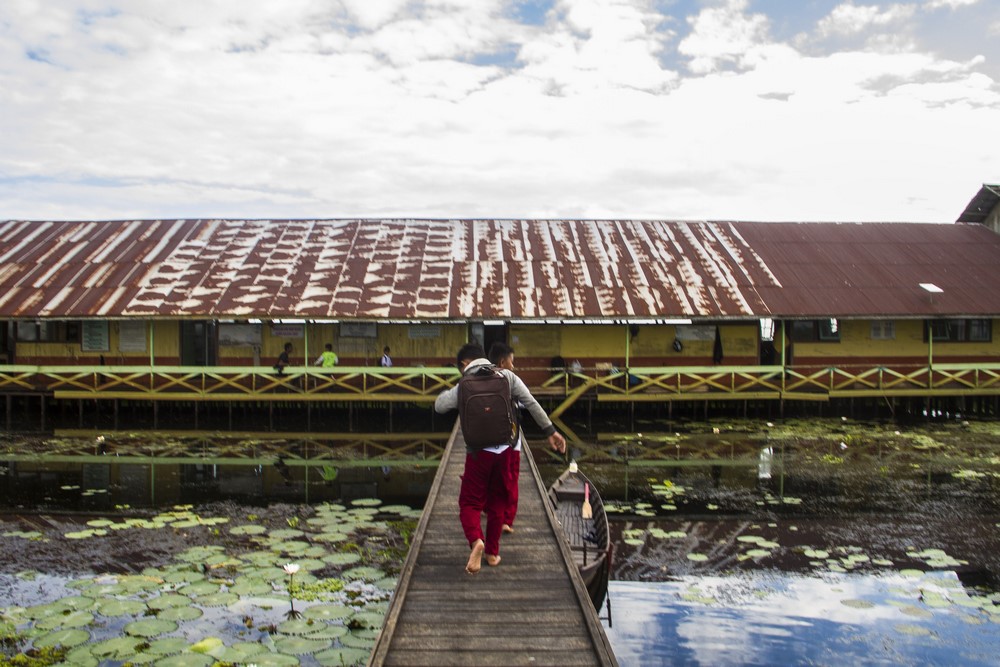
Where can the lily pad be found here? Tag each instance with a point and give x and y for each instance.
(180, 614)
(345, 656)
(698, 558)
(169, 600)
(64, 638)
(150, 627)
(364, 573)
(167, 645)
(285, 533)
(75, 619)
(327, 611)
(217, 599)
(327, 631)
(274, 660)
(857, 604)
(296, 626)
(353, 640)
(118, 648)
(207, 645)
(301, 645)
(77, 602)
(248, 529)
(186, 660)
(199, 588)
(342, 558)
(367, 619)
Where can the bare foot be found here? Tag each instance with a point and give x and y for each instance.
(507, 529)
(475, 558)
(492, 561)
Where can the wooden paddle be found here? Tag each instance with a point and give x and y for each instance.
(587, 511)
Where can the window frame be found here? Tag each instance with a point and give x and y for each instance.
(959, 330)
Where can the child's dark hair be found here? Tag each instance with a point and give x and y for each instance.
(470, 352)
(499, 351)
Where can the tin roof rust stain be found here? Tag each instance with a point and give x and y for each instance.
(398, 268)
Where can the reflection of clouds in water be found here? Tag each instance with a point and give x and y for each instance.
(768, 618)
(764, 464)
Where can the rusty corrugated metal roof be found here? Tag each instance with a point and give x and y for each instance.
(429, 269)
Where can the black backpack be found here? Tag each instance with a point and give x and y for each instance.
(485, 409)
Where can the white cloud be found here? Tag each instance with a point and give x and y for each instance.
(950, 4)
(309, 109)
(849, 19)
(722, 35)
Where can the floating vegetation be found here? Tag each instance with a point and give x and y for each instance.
(311, 559)
(858, 604)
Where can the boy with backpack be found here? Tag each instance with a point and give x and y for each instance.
(485, 398)
(501, 355)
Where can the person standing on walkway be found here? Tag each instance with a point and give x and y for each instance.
(328, 358)
(386, 360)
(283, 360)
(502, 356)
(484, 485)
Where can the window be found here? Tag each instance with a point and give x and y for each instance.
(829, 330)
(883, 330)
(811, 331)
(961, 331)
(49, 332)
(766, 329)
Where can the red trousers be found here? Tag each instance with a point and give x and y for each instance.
(484, 489)
(513, 474)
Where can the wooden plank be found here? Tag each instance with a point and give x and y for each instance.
(505, 658)
(531, 610)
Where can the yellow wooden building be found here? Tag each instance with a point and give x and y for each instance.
(602, 311)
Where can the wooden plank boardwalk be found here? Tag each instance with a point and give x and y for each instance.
(531, 610)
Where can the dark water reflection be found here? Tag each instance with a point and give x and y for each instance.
(803, 543)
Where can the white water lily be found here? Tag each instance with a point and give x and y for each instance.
(291, 568)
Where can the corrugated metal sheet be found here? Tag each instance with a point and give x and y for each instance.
(980, 206)
(373, 269)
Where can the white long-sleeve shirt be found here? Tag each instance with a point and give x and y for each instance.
(448, 400)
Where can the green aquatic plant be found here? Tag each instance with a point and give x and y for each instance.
(36, 657)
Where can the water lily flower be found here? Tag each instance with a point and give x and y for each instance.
(715, 430)
(100, 438)
(291, 568)
(843, 445)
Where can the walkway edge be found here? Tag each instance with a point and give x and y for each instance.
(604, 653)
(384, 639)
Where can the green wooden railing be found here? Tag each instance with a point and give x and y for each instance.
(422, 385)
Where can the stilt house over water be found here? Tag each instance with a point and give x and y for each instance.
(603, 311)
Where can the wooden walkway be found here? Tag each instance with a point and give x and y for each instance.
(531, 610)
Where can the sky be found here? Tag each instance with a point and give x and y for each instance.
(766, 110)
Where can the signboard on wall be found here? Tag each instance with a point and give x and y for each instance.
(240, 334)
(423, 331)
(131, 336)
(95, 337)
(696, 332)
(358, 330)
(288, 330)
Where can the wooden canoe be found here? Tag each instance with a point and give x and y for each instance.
(589, 539)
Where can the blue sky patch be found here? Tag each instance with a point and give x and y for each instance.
(532, 12)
